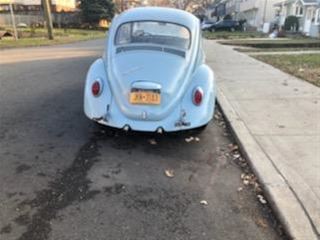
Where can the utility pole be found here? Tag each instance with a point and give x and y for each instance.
(121, 6)
(13, 22)
(47, 14)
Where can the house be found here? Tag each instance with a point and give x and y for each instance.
(215, 12)
(209, 13)
(256, 12)
(221, 9)
(307, 11)
(233, 8)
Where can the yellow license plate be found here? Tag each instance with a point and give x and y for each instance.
(151, 98)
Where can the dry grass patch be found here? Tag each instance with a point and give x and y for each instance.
(232, 35)
(276, 43)
(305, 66)
(37, 37)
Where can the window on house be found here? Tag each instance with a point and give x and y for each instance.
(299, 11)
(317, 17)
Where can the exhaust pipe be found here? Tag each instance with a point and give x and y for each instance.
(159, 130)
(126, 128)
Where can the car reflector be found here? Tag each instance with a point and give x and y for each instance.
(96, 88)
(197, 96)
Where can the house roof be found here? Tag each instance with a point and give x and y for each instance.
(307, 2)
(304, 2)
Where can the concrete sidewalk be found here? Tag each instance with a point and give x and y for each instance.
(276, 120)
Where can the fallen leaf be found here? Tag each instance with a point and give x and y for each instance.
(204, 202)
(169, 173)
(261, 223)
(233, 147)
(236, 156)
(221, 123)
(190, 139)
(246, 182)
(247, 177)
(262, 199)
(153, 142)
(257, 188)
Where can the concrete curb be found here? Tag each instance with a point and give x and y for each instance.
(282, 199)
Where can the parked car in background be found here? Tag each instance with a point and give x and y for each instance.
(226, 25)
(205, 25)
(152, 77)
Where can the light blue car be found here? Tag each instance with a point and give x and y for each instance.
(152, 76)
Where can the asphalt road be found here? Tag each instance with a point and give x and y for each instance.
(61, 177)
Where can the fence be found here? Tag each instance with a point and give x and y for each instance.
(37, 18)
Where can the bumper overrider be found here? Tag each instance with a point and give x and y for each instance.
(176, 121)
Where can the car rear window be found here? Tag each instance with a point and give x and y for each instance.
(154, 32)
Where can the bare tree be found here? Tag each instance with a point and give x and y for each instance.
(182, 4)
(185, 4)
(192, 5)
(161, 3)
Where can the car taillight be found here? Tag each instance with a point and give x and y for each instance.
(96, 88)
(197, 96)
